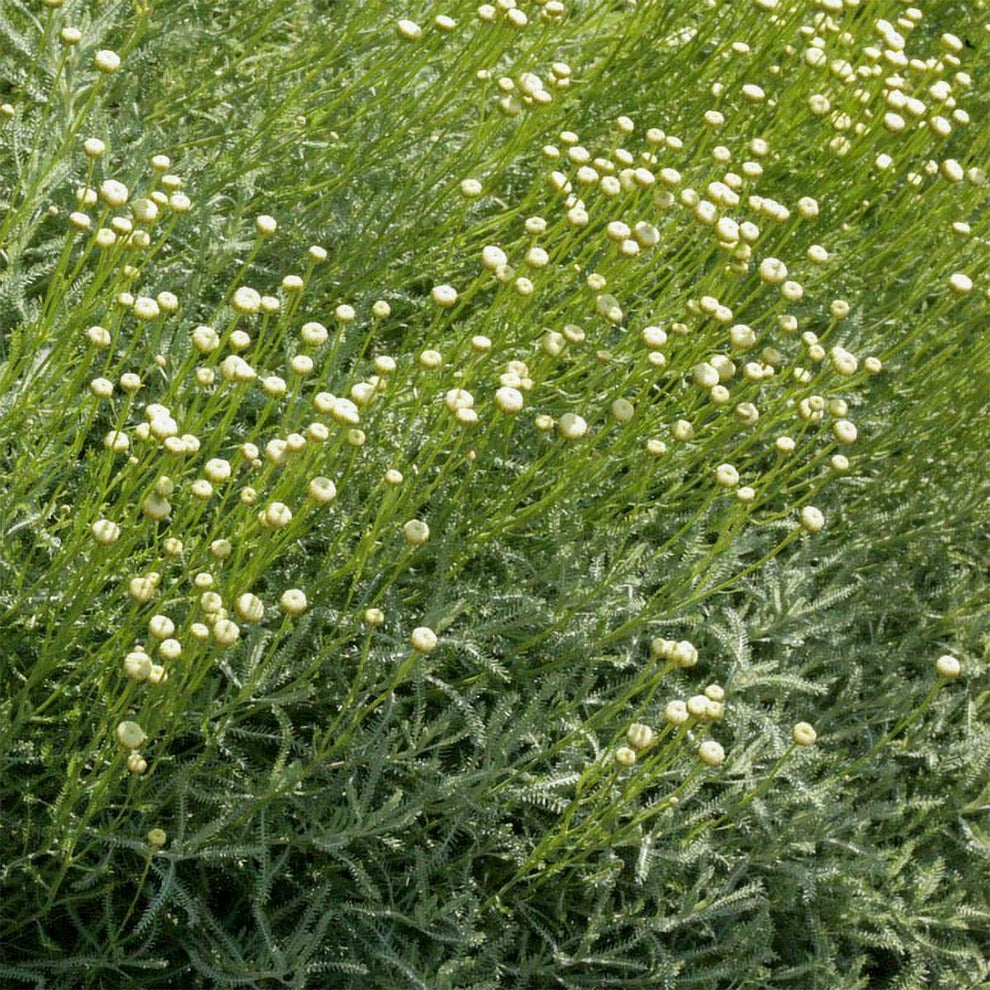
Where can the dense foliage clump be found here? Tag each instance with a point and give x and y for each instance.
(494, 496)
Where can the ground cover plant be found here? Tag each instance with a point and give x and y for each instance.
(494, 496)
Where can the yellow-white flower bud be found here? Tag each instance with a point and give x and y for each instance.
(654, 337)
(373, 617)
(137, 666)
(113, 193)
(804, 734)
(726, 476)
(274, 386)
(416, 532)
(843, 361)
(423, 639)
(276, 451)
(301, 364)
(105, 532)
(234, 368)
(844, 430)
(246, 300)
(322, 490)
(812, 519)
(676, 713)
(278, 515)
(772, 271)
(130, 735)
(314, 334)
(711, 753)
(625, 756)
(623, 410)
(345, 412)
(101, 388)
(157, 838)
(345, 313)
(209, 601)
(509, 400)
(170, 649)
(409, 30)
(639, 736)
(293, 601)
(205, 339)
(249, 607)
(458, 398)
(948, 666)
(683, 654)
(960, 283)
(201, 489)
(742, 337)
(697, 706)
(444, 295)
(136, 764)
(265, 225)
(571, 426)
(226, 632)
(161, 626)
(217, 469)
(715, 692)
(106, 61)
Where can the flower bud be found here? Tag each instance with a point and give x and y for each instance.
(948, 666)
(373, 617)
(246, 300)
(711, 753)
(278, 515)
(571, 426)
(509, 400)
(423, 639)
(639, 736)
(726, 476)
(322, 490)
(625, 756)
(137, 666)
(804, 734)
(409, 30)
(293, 601)
(170, 649)
(444, 295)
(157, 838)
(416, 532)
(225, 632)
(136, 764)
(105, 532)
(676, 713)
(160, 626)
(106, 61)
(130, 735)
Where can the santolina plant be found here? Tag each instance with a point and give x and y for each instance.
(374, 408)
